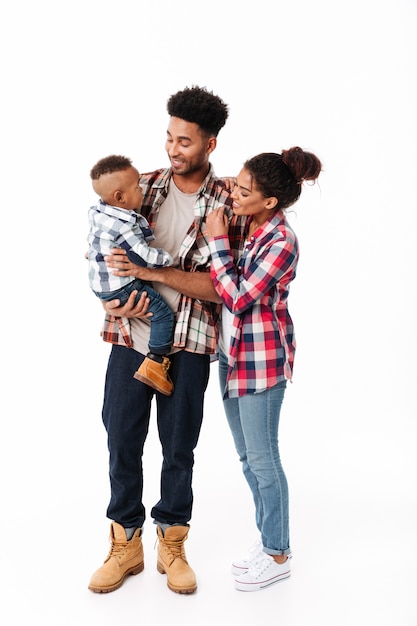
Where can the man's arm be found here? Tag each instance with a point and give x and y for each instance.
(196, 285)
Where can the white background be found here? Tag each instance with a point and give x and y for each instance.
(83, 80)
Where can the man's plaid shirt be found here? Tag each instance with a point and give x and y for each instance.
(195, 327)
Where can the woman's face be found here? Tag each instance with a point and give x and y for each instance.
(248, 200)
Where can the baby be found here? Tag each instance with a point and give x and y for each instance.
(115, 222)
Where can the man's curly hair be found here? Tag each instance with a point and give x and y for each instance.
(196, 104)
(110, 164)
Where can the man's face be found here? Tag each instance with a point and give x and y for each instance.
(187, 147)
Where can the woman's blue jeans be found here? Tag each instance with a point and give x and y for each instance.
(254, 421)
(126, 414)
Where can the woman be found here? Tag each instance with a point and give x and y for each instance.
(256, 341)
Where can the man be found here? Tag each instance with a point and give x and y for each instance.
(176, 203)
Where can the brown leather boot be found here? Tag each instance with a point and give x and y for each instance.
(125, 557)
(155, 374)
(172, 560)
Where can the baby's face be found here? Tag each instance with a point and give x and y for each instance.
(131, 189)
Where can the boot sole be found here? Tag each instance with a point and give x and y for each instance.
(161, 570)
(151, 383)
(131, 572)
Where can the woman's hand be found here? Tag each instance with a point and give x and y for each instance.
(217, 223)
(230, 182)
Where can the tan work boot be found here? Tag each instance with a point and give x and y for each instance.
(172, 560)
(155, 374)
(125, 557)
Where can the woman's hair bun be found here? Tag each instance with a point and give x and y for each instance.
(302, 165)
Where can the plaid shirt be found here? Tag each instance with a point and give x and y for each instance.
(255, 288)
(195, 328)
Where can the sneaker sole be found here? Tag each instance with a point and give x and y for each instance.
(264, 585)
(132, 572)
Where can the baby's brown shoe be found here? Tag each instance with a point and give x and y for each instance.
(154, 372)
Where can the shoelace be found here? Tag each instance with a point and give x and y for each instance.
(117, 549)
(255, 550)
(165, 366)
(175, 548)
(259, 565)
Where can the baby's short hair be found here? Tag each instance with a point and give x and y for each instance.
(110, 164)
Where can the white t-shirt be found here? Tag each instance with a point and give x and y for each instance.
(225, 330)
(176, 214)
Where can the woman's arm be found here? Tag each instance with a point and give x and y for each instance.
(272, 263)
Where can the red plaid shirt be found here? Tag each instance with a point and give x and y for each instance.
(255, 288)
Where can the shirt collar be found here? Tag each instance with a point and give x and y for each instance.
(117, 212)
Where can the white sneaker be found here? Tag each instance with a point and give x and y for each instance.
(241, 565)
(262, 573)
(255, 552)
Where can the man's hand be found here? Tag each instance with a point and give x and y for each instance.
(120, 264)
(130, 309)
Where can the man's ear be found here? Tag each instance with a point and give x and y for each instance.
(211, 145)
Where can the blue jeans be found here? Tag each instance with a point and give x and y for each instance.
(254, 420)
(162, 320)
(126, 413)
